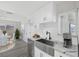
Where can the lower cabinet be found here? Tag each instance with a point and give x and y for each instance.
(60, 54)
(40, 53)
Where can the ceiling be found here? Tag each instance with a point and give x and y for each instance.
(64, 6)
(24, 8)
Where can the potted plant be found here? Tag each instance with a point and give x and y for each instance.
(17, 34)
(4, 32)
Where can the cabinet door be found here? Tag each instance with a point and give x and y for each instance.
(46, 55)
(36, 52)
(63, 23)
(57, 54)
(60, 54)
(43, 54)
(67, 22)
(40, 53)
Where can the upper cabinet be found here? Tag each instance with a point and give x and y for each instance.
(63, 23)
(67, 22)
(46, 25)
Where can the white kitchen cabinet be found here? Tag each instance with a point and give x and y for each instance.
(47, 25)
(36, 52)
(60, 54)
(40, 53)
(43, 54)
(67, 22)
(63, 23)
(46, 55)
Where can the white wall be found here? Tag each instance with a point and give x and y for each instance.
(48, 13)
(64, 7)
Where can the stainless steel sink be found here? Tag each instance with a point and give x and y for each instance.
(47, 42)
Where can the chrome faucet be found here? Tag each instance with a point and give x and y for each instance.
(48, 33)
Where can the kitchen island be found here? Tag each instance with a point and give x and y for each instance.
(57, 50)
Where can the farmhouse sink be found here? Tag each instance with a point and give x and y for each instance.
(47, 42)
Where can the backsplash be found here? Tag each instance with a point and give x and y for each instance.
(55, 36)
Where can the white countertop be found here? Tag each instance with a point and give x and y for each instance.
(69, 51)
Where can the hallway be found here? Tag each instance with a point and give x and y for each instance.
(20, 50)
